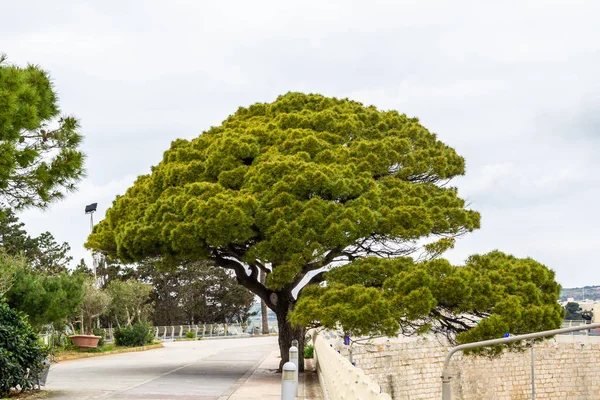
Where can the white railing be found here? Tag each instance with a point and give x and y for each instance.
(200, 330)
(207, 330)
(576, 322)
(339, 378)
(181, 331)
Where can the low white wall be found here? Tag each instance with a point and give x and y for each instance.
(339, 378)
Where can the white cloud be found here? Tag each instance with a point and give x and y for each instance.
(67, 221)
(512, 85)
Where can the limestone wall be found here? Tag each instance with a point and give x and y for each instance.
(412, 370)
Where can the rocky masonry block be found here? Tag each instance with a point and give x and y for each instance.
(412, 370)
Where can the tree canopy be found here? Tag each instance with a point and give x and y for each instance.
(94, 303)
(42, 253)
(292, 187)
(292, 184)
(40, 158)
(489, 296)
(9, 265)
(573, 311)
(129, 301)
(45, 298)
(34, 275)
(194, 292)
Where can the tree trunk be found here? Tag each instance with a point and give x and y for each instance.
(263, 307)
(281, 302)
(287, 333)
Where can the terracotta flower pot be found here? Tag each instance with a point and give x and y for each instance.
(85, 341)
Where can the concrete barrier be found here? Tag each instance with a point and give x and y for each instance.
(339, 378)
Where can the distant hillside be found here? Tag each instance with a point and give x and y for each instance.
(591, 292)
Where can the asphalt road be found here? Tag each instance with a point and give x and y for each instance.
(203, 370)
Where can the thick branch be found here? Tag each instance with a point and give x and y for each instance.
(455, 324)
(250, 282)
(329, 257)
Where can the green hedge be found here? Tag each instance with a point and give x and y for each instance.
(102, 334)
(309, 351)
(136, 335)
(20, 350)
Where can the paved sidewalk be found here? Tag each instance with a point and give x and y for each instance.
(265, 383)
(236, 369)
(199, 370)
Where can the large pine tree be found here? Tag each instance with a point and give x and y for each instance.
(40, 158)
(291, 188)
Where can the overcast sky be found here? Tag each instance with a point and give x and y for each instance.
(514, 86)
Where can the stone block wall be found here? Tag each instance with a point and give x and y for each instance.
(412, 370)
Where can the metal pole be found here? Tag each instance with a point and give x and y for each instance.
(94, 260)
(294, 360)
(446, 384)
(532, 373)
(350, 356)
(288, 391)
(447, 375)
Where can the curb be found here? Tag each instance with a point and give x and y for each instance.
(243, 379)
(70, 357)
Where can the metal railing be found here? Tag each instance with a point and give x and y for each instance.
(447, 375)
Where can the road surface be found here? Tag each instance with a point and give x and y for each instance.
(202, 370)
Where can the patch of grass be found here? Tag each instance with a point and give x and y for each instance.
(76, 350)
(29, 395)
(70, 353)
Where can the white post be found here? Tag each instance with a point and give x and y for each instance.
(532, 372)
(288, 389)
(294, 360)
(446, 385)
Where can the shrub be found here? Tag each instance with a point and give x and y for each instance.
(20, 351)
(309, 351)
(190, 335)
(136, 335)
(102, 334)
(69, 344)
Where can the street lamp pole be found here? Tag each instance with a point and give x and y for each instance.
(91, 209)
